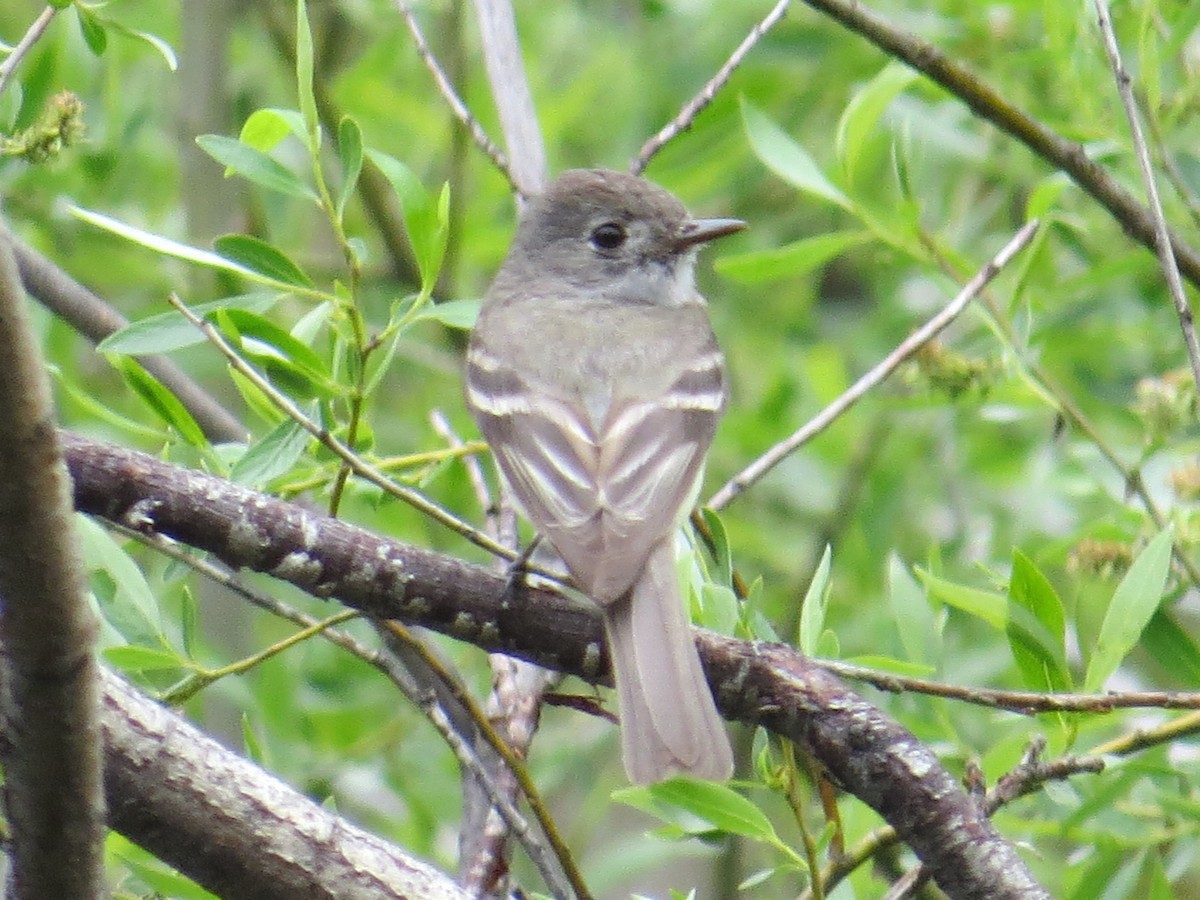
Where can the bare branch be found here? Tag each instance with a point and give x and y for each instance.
(49, 698)
(868, 753)
(457, 106)
(693, 107)
(876, 375)
(31, 37)
(1166, 256)
(1026, 703)
(510, 91)
(231, 827)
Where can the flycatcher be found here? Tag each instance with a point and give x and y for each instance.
(597, 381)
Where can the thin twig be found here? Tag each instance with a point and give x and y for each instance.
(1144, 738)
(1027, 703)
(470, 462)
(683, 121)
(876, 375)
(511, 761)
(1166, 255)
(31, 37)
(355, 462)
(456, 104)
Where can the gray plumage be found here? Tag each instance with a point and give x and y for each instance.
(596, 379)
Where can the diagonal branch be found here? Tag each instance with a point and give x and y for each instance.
(877, 374)
(1162, 234)
(683, 121)
(231, 827)
(869, 754)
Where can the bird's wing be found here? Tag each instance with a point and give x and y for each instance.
(602, 494)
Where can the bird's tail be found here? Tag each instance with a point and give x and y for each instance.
(669, 723)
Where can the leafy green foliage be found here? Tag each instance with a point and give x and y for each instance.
(963, 522)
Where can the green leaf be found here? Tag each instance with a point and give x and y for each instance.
(135, 658)
(891, 664)
(1043, 668)
(919, 634)
(722, 556)
(163, 245)
(989, 606)
(304, 79)
(718, 608)
(864, 110)
(786, 158)
(264, 129)
(1173, 648)
(261, 257)
(255, 166)
(122, 594)
(164, 404)
(1133, 604)
(790, 260)
(717, 805)
(165, 50)
(288, 362)
(1017, 622)
(271, 457)
(459, 314)
(425, 219)
(812, 612)
(1046, 194)
(92, 27)
(350, 155)
(169, 331)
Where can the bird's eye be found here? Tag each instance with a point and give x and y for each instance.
(609, 236)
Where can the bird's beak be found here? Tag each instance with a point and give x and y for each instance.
(701, 231)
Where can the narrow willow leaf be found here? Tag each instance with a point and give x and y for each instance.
(864, 110)
(790, 260)
(719, 806)
(261, 257)
(1133, 604)
(255, 166)
(169, 331)
(155, 395)
(912, 613)
(92, 27)
(304, 79)
(350, 155)
(812, 613)
(453, 313)
(264, 129)
(136, 658)
(1173, 648)
(786, 158)
(123, 595)
(1042, 668)
(271, 457)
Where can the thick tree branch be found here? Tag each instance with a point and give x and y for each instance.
(869, 754)
(49, 700)
(230, 826)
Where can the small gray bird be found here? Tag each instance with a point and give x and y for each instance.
(597, 381)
